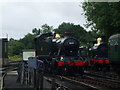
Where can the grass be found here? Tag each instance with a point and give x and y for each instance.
(15, 58)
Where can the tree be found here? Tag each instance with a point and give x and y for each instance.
(75, 30)
(28, 40)
(46, 28)
(36, 31)
(15, 47)
(104, 17)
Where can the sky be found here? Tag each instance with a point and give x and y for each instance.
(19, 18)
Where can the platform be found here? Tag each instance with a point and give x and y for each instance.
(10, 82)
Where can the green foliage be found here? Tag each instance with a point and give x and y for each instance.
(36, 32)
(64, 27)
(15, 47)
(28, 41)
(15, 58)
(75, 30)
(103, 16)
(46, 28)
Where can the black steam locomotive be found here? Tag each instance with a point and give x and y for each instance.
(59, 54)
(99, 56)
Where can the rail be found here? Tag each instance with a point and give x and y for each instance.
(77, 80)
(56, 85)
(58, 80)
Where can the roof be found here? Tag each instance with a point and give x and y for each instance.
(3, 39)
(115, 36)
(42, 36)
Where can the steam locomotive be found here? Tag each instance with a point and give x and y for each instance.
(98, 56)
(59, 54)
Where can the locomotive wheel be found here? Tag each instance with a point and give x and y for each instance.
(55, 71)
(81, 71)
(64, 71)
(106, 68)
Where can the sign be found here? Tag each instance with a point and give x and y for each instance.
(28, 53)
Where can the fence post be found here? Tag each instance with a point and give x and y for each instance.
(28, 76)
(34, 78)
(19, 73)
(53, 84)
(22, 73)
(37, 80)
(41, 81)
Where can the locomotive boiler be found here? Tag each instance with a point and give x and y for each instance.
(59, 54)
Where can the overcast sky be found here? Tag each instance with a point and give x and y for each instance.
(19, 18)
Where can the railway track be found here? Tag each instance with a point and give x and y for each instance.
(4, 75)
(12, 66)
(57, 84)
(71, 83)
(108, 75)
(79, 81)
(93, 81)
(103, 80)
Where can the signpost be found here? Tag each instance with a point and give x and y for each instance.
(28, 53)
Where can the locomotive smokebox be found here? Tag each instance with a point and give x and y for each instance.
(70, 46)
